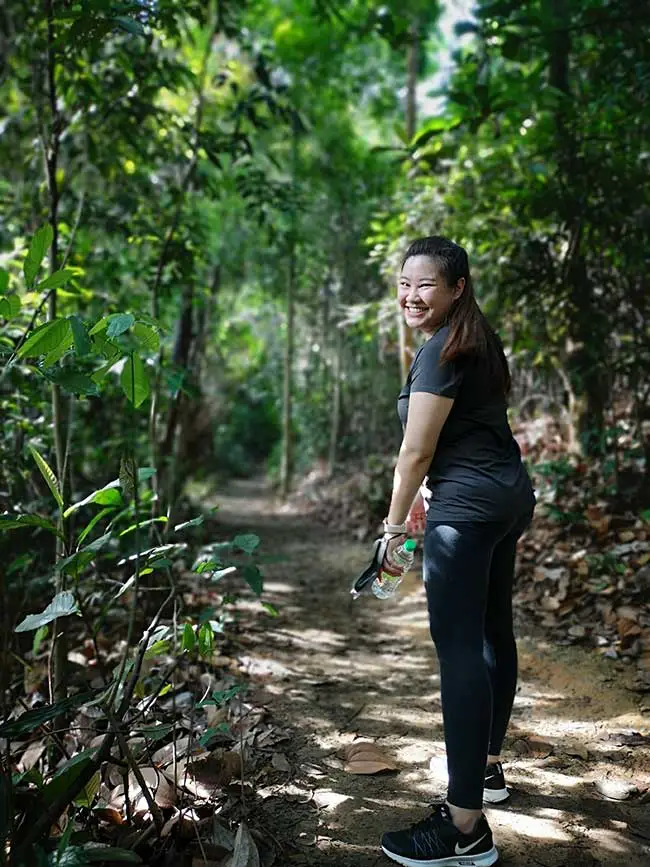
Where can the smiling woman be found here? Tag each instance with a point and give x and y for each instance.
(479, 501)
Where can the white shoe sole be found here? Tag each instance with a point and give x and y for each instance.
(485, 859)
(495, 796)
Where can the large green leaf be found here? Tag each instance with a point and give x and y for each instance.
(80, 559)
(147, 337)
(109, 495)
(62, 605)
(66, 775)
(10, 306)
(45, 339)
(31, 720)
(135, 380)
(118, 323)
(56, 280)
(82, 343)
(39, 246)
(48, 475)
(253, 578)
(247, 542)
(73, 381)
(4, 281)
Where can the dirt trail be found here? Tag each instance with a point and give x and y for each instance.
(332, 669)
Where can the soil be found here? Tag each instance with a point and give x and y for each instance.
(333, 670)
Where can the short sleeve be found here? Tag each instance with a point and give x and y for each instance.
(430, 375)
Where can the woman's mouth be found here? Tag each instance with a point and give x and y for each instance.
(415, 310)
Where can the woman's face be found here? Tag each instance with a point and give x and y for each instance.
(423, 295)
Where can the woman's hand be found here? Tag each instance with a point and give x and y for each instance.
(417, 517)
(393, 543)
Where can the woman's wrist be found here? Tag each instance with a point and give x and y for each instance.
(394, 529)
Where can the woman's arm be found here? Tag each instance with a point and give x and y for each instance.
(426, 416)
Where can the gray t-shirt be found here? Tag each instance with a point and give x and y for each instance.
(476, 473)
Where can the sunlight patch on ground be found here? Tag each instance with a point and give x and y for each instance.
(535, 827)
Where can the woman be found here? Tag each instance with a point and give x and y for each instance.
(480, 500)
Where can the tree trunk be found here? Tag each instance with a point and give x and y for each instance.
(586, 363)
(337, 397)
(286, 467)
(286, 464)
(51, 148)
(406, 342)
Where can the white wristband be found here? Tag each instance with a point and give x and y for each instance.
(394, 529)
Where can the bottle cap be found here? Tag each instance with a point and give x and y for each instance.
(410, 545)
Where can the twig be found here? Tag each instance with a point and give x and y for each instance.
(352, 718)
(128, 755)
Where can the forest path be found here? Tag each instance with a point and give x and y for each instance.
(332, 669)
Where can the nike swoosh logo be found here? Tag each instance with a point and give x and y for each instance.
(463, 850)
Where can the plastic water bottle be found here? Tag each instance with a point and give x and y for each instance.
(390, 577)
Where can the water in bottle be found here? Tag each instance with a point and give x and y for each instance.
(391, 574)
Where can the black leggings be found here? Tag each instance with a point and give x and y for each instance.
(468, 574)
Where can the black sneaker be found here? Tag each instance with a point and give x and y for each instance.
(437, 841)
(494, 787)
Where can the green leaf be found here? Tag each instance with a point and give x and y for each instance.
(62, 605)
(48, 475)
(147, 337)
(135, 381)
(118, 323)
(271, 610)
(88, 794)
(33, 719)
(100, 325)
(253, 578)
(59, 351)
(10, 306)
(206, 640)
(56, 280)
(195, 522)
(189, 638)
(155, 732)
(211, 733)
(44, 339)
(65, 776)
(80, 559)
(158, 648)
(109, 495)
(161, 519)
(91, 525)
(39, 636)
(72, 381)
(39, 246)
(129, 25)
(220, 697)
(247, 542)
(82, 343)
(18, 522)
(4, 281)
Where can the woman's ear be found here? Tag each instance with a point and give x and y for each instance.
(460, 286)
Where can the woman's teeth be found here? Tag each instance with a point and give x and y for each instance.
(412, 309)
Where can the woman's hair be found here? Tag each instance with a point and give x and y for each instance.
(470, 334)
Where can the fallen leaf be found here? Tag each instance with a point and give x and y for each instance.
(364, 757)
(206, 775)
(163, 793)
(31, 755)
(280, 762)
(616, 790)
(245, 854)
